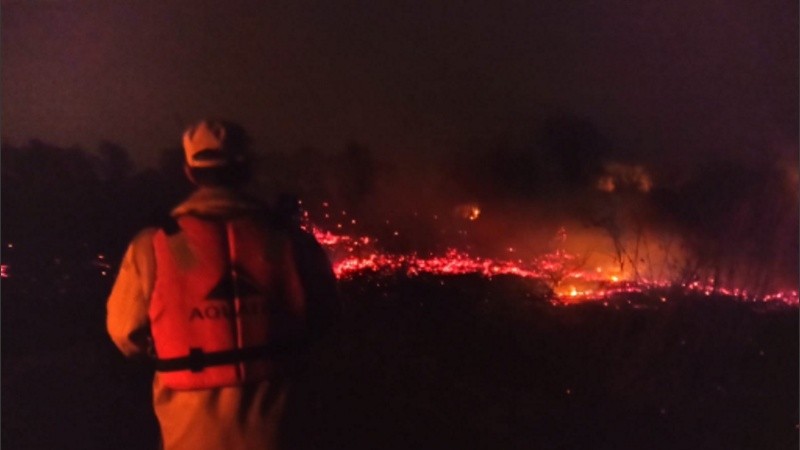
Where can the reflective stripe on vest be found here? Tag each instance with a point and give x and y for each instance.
(225, 292)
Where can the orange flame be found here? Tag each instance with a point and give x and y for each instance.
(569, 282)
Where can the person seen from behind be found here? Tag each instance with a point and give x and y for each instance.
(226, 297)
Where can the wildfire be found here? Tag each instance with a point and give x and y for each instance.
(468, 211)
(570, 276)
(564, 272)
(624, 176)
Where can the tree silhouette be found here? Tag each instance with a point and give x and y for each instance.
(115, 162)
(357, 175)
(574, 150)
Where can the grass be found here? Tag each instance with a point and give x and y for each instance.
(462, 362)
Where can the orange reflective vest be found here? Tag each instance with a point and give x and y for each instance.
(226, 298)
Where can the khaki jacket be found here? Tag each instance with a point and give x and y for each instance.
(240, 417)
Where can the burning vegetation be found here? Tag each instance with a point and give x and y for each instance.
(590, 266)
(623, 176)
(565, 210)
(455, 273)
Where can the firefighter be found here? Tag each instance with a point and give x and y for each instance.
(225, 297)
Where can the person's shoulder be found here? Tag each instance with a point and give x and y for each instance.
(144, 236)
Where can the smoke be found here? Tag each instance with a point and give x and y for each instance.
(725, 222)
(741, 223)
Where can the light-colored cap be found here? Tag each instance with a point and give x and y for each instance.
(214, 143)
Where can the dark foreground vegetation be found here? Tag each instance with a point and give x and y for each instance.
(454, 362)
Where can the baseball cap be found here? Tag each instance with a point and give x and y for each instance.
(214, 143)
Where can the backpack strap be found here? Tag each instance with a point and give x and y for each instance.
(170, 225)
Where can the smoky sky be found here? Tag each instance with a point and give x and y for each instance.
(674, 81)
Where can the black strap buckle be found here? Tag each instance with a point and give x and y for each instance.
(197, 359)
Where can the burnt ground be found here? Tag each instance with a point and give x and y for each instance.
(443, 362)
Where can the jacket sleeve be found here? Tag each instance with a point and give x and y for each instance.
(319, 284)
(127, 319)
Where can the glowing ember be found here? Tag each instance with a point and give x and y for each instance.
(469, 211)
(101, 263)
(562, 271)
(4, 271)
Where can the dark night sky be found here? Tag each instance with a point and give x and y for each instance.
(680, 78)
